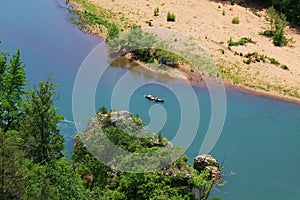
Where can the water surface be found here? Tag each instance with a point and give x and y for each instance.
(261, 137)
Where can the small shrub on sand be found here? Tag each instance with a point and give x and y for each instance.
(235, 20)
(274, 61)
(156, 11)
(284, 67)
(241, 42)
(171, 17)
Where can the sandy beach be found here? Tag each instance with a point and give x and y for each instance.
(210, 23)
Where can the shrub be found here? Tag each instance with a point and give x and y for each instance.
(278, 24)
(263, 58)
(241, 42)
(170, 17)
(284, 67)
(267, 33)
(248, 61)
(112, 29)
(223, 12)
(149, 22)
(274, 61)
(156, 11)
(232, 2)
(235, 20)
(103, 110)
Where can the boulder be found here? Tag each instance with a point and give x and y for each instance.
(208, 163)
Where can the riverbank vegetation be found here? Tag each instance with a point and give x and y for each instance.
(143, 47)
(32, 165)
(98, 20)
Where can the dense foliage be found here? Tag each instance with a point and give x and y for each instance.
(32, 165)
(177, 180)
(288, 7)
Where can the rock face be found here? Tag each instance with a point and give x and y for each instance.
(209, 163)
(120, 116)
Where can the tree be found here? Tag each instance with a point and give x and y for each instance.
(12, 82)
(42, 136)
(93, 171)
(278, 24)
(136, 41)
(12, 162)
(55, 180)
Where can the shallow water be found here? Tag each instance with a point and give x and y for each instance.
(259, 145)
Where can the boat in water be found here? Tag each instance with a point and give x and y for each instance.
(154, 98)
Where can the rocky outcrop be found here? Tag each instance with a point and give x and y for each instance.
(209, 163)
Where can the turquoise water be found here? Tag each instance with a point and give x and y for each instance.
(261, 137)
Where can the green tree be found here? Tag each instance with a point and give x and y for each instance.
(55, 180)
(12, 82)
(278, 24)
(93, 172)
(12, 162)
(43, 140)
(136, 41)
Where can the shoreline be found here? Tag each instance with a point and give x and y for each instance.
(194, 78)
(227, 84)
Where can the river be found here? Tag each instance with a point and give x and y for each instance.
(260, 140)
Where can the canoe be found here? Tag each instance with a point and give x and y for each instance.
(154, 98)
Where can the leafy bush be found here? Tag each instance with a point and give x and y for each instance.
(232, 2)
(171, 17)
(278, 24)
(156, 11)
(235, 20)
